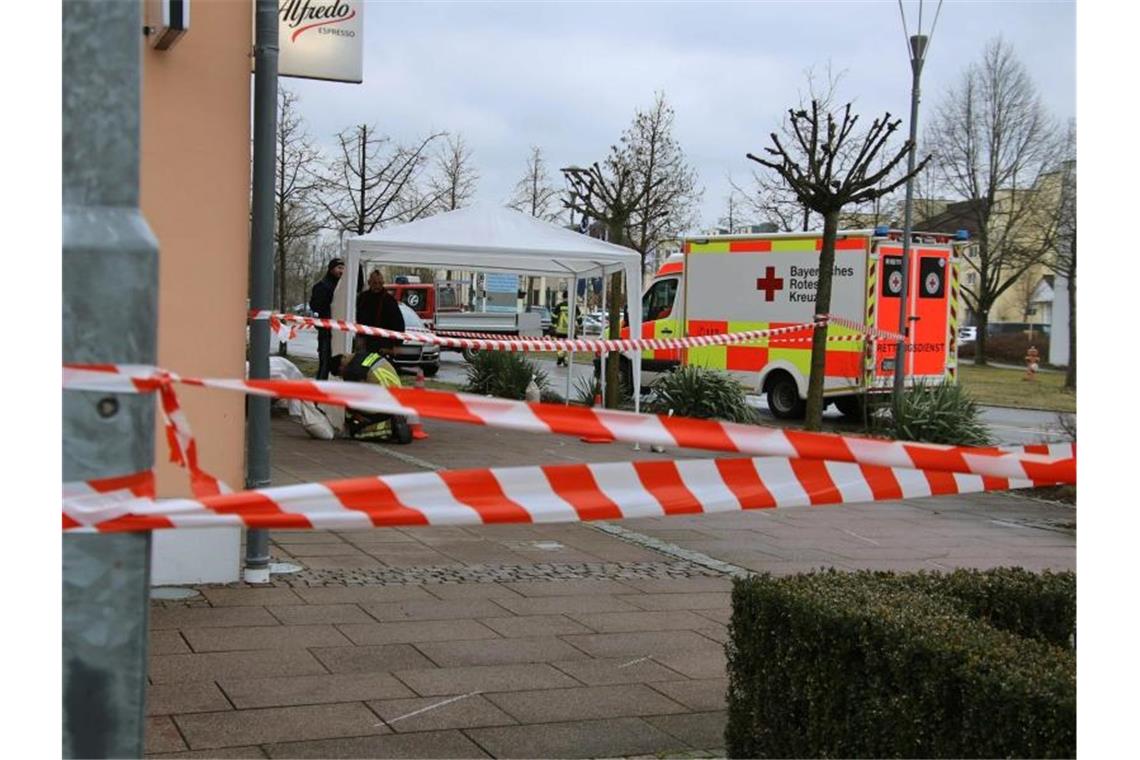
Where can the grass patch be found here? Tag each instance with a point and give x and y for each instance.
(1005, 387)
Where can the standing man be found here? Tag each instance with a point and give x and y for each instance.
(376, 307)
(561, 319)
(320, 301)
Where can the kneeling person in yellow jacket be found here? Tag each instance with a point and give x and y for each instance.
(371, 367)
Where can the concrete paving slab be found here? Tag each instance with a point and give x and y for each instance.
(568, 588)
(638, 644)
(439, 713)
(167, 642)
(416, 632)
(161, 735)
(249, 596)
(213, 754)
(584, 703)
(202, 696)
(210, 666)
(371, 659)
(618, 670)
(701, 695)
(162, 618)
(500, 651)
(432, 610)
(278, 724)
(428, 744)
(484, 679)
(313, 614)
(361, 594)
(698, 601)
(700, 664)
(590, 738)
(311, 690)
(264, 637)
(698, 730)
(560, 605)
(619, 622)
(534, 625)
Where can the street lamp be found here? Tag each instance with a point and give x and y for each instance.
(917, 45)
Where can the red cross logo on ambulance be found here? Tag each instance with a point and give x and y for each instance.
(894, 282)
(770, 283)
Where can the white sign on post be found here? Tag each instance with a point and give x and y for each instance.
(321, 39)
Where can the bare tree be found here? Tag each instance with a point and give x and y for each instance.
(453, 182)
(771, 202)
(734, 211)
(373, 181)
(611, 193)
(295, 203)
(993, 139)
(827, 169)
(534, 194)
(770, 199)
(668, 195)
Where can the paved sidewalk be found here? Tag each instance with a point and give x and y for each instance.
(517, 640)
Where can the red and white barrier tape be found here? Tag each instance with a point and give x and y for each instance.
(489, 336)
(286, 326)
(179, 438)
(549, 494)
(851, 324)
(608, 424)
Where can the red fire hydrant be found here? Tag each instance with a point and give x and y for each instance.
(1032, 359)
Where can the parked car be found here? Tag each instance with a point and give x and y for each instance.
(409, 356)
(545, 317)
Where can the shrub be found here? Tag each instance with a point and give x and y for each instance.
(1008, 347)
(876, 665)
(703, 393)
(939, 413)
(503, 374)
(586, 389)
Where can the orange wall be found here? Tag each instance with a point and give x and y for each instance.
(195, 196)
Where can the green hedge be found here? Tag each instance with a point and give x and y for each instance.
(876, 665)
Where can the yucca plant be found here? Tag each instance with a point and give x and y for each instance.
(502, 374)
(937, 413)
(703, 393)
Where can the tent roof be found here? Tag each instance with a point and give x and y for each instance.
(496, 239)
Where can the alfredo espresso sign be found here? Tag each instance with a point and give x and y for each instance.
(321, 39)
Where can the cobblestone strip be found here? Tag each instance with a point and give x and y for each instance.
(711, 564)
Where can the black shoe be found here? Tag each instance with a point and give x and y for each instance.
(401, 432)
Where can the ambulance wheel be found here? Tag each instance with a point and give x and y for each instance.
(851, 407)
(784, 397)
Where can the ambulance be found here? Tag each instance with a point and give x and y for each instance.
(736, 283)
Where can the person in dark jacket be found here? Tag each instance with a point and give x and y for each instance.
(320, 301)
(376, 307)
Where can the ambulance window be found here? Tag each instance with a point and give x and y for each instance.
(932, 277)
(658, 300)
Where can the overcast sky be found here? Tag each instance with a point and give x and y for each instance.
(568, 76)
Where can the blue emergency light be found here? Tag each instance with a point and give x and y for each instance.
(962, 235)
(882, 230)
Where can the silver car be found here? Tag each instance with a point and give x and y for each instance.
(409, 356)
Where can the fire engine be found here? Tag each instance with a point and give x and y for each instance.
(735, 283)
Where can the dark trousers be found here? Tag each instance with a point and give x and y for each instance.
(324, 352)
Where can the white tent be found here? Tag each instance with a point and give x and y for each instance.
(498, 239)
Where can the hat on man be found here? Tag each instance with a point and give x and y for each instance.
(334, 263)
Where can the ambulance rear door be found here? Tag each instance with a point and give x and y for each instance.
(928, 297)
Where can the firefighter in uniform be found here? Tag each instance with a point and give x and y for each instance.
(562, 325)
(371, 367)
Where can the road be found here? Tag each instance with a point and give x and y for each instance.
(1009, 426)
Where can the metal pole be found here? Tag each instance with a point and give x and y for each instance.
(917, 51)
(605, 331)
(261, 272)
(110, 310)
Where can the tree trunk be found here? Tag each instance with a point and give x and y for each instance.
(983, 318)
(615, 300)
(1071, 372)
(813, 419)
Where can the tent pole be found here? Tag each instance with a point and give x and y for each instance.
(572, 333)
(605, 331)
